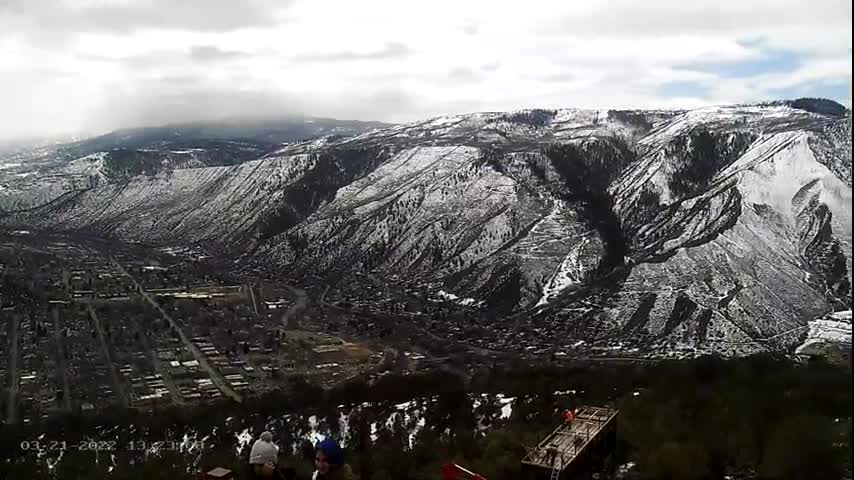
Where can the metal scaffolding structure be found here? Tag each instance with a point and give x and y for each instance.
(568, 442)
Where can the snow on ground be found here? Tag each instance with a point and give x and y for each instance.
(403, 168)
(188, 151)
(569, 273)
(411, 415)
(835, 328)
(655, 168)
(244, 438)
(625, 469)
(573, 117)
(776, 179)
(344, 427)
(771, 173)
(90, 164)
(506, 406)
(408, 413)
(184, 205)
(444, 121)
(830, 331)
(314, 434)
(462, 301)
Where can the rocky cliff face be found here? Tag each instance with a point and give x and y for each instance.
(738, 233)
(716, 229)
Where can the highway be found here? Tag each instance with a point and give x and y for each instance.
(105, 350)
(251, 289)
(214, 374)
(168, 381)
(60, 352)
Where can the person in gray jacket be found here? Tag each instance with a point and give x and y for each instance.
(264, 456)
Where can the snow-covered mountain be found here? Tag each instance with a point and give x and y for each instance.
(32, 174)
(725, 228)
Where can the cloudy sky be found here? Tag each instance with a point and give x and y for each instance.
(94, 65)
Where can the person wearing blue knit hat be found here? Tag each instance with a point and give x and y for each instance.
(329, 462)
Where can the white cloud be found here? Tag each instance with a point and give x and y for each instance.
(72, 65)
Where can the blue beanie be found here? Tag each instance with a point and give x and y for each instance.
(332, 451)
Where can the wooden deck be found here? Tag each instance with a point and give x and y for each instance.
(567, 442)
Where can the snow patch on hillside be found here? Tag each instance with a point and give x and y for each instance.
(453, 298)
(570, 272)
(835, 328)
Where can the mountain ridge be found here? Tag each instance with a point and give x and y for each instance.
(657, 217)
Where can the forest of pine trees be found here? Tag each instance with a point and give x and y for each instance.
(761, 417)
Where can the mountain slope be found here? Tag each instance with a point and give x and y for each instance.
(720, 229)
(35, 176)
(753, 246)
